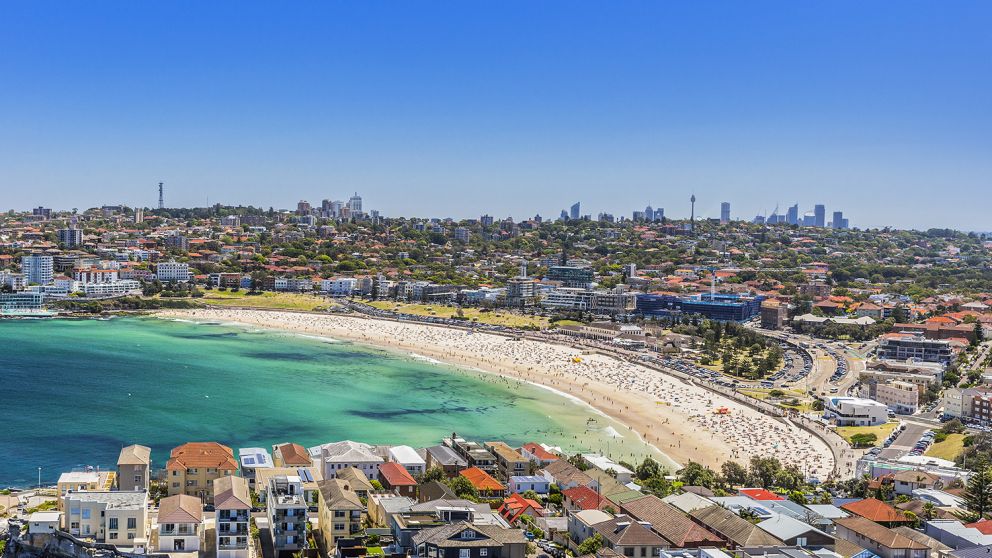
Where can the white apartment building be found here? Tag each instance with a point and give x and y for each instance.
(335, 456)
(106, 290)
(286, 507)
(854, 411)
(342, 286)
(901, 397)
(179, 523)
(38, 269)
(408, 458)
(173, 272)
(232, 505)
(117, 518)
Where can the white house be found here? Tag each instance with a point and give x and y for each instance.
(408, 458)
(44, 522)
(179, 521)
(523, 483)
(335, 456)
(854, 411)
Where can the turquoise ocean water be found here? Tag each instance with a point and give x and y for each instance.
(76, 391)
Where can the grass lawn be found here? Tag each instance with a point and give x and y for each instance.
(47, 505)
(272, 300)
(881, 431)
(375, 551)
(804, 406)
(501, 317)
(948, 449)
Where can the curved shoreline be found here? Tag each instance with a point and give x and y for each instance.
(675, 417)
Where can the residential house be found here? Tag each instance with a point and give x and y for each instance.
(955, 534)
(134, 468)
(630, 538)
(111, 517)
(253, 459)
(581, 524)
(286, 508)
(465, 540)
(509, 462)
(484, 483)
(83, 481)
(794, 532)
(516, 506)
(734, 530)
(357, 480)
(566, 475)
(537, 453)
(905, 482)
(193, 467)
(408, 458)
(336, 456)
(447, 459)
(290, 455)
(583, 498)
(179, 523)
(670, 523)
(44, 522)
(395, 477)
(537, 483)
(876, 510)
(340, 512)
(232, 508)
(877, 539)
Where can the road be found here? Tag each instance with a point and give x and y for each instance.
(904, 442)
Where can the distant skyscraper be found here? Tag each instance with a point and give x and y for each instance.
(839, 221)
(792, 215)
(809, 219)
(42, 212)
(725, 212)
(574, 213)
(648, 214)
(71, 237)
(659, 214)
(820, 212)
(303, 207)
(355, 203)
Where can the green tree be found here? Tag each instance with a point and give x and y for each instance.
(434, 473)
(647, 469)
(695, 474)
(978, 492)
(734, 473)
(463, 488)
(590, 545)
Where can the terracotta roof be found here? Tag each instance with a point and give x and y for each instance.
(294, 454)
(231, 493)
(583, 497)
(760, 494)
(180, 508)
(516, 505)
(202, 454)
(983, 525)
(882, 535)
(537, 451)
(875, 510)
(481, 480)
(396, 475)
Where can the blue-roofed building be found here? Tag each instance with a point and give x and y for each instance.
(523, 483)
(251, 459)
(713, 306)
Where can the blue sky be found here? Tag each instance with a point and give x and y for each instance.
(880, 109)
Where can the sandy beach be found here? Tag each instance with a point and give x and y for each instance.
(676, 417)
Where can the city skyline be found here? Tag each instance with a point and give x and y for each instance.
(452, 110)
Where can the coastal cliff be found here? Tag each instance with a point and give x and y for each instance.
(20, 544)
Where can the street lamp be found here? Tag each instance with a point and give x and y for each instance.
(39, 478)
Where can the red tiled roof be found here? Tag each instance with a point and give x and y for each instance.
(536, 450)
(760, 494)
(481, 480)
(983, 525)
(396, 475)
(516, 505)
(875, 510)
(583, 497)
(202, 454)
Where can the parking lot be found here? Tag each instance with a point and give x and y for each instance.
(904, 443)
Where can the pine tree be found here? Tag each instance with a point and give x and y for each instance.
(978, 493)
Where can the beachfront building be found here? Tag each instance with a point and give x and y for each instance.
(339, 512)
(603, 463)
(474, 454)
(447, 459)
(523, 483)
(112, 517)
(25, 302)
(80, 481)
(286, 507)
(409, 459)
(251, 460)
(538, 453)
(901, 397)
(134, 468)
(179, 523)
(290, 455)
(336, 456)
(309, 476)
(173, 272)
(232, 508)
(194, 467)
(854, 411)
(509, 462)
(914, 346)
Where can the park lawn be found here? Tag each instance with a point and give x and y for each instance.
(268, 300)
(948, 449)
(880, 431)
(501, 317)
(804, 406)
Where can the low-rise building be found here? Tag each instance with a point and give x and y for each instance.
(854, 411)
(194, 467)
(179, 523)
(509, 462)
(879, 540)
(336, 456)
(339, 512)
(409, 459)
(900, 397)
(914, 346)
(134, 468)
(535, 483)
(112, 517)
(232, 510)
(465, 540)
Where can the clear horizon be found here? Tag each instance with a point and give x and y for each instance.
(450, 109)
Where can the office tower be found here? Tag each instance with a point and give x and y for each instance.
(809, 219)
(42, 212)
(355, 203)
(759, 220)
(725, 213)
(820, 212)
(486, 220)
(792, 215)
(659, 214)
(564, 215)
(648, 214)
(38, 269)
(302, 207)
(573, 212)
(639, 217)
(71, 237)
(839, 221)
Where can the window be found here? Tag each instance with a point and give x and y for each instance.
(132, 523)
(464, 553)
(74, 525)
(112, 535)
(800, 541)
(137, 479)
(339, 526)
(130, 536)
(483, 552)
(85, 512)
(468, 534)
(112, 523)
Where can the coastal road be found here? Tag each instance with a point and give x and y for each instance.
(904, 442)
